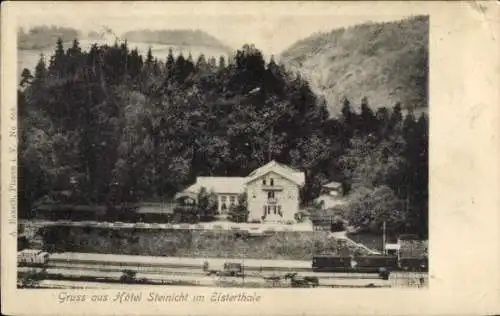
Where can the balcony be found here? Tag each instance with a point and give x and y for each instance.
(272, 187)
(272, 201)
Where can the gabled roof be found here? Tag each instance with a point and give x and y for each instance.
(332, 185)
(219, 185)
(285, 171)
(186, 194)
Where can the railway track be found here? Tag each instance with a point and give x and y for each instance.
(103, 267)
(73, 275)
(79, 268)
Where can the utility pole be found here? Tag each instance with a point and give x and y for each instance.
(383, 237)
(243, 265)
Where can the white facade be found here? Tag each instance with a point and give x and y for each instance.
(331, 195)
(272, 192)
(272, 198)
(227, 190)
(225, 201)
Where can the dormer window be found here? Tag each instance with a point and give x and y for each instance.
(271, 181)
(263, 181)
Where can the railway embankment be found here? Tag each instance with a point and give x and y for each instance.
(274, 245)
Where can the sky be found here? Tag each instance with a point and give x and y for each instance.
(271, 27)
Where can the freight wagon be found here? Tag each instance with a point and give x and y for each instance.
(383, 265)
(32, 257)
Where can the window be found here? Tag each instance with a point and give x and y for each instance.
(274, 209)
(263, 181)
(270, 194)
(232, 199)
(271, 181)
(223, 199)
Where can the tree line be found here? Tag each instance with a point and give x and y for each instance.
(108, 126)
(40, 37)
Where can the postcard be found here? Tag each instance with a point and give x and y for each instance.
(250, 158)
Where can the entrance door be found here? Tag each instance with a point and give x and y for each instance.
(273, 213)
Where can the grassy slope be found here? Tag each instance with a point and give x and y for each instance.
(194, 243)
(386, 62)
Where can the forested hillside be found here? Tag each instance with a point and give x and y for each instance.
(386, 62)
(107, 126)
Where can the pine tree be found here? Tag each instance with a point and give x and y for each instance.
(368, 122)
(149, 58)
(156, 67)
(26, 77)
(189, 66)
(170, 61)
(408, 125)
(201, 63)
(382, 117)
(179, 71)
(396, 117)
(212, 63)
(75, 50)
(57, 63)
(59, 53)
(222, 62)
(271, 63)
(348, 116)
(40, 70)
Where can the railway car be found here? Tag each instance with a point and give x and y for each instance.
(420, 264)
(369, 264)
(32, 257)
(326, 263)
(382, 265)
(332, 263)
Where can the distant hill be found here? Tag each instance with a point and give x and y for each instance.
(180, 41)
(386, 62)
(176, 37)
(41, 37)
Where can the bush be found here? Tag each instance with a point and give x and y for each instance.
(207, 205)
(299, 217)
(238, 214)
(186, 214)
(128, 276)
(369, 208)
(338, 224)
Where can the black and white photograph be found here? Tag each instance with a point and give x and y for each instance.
(222, 151)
